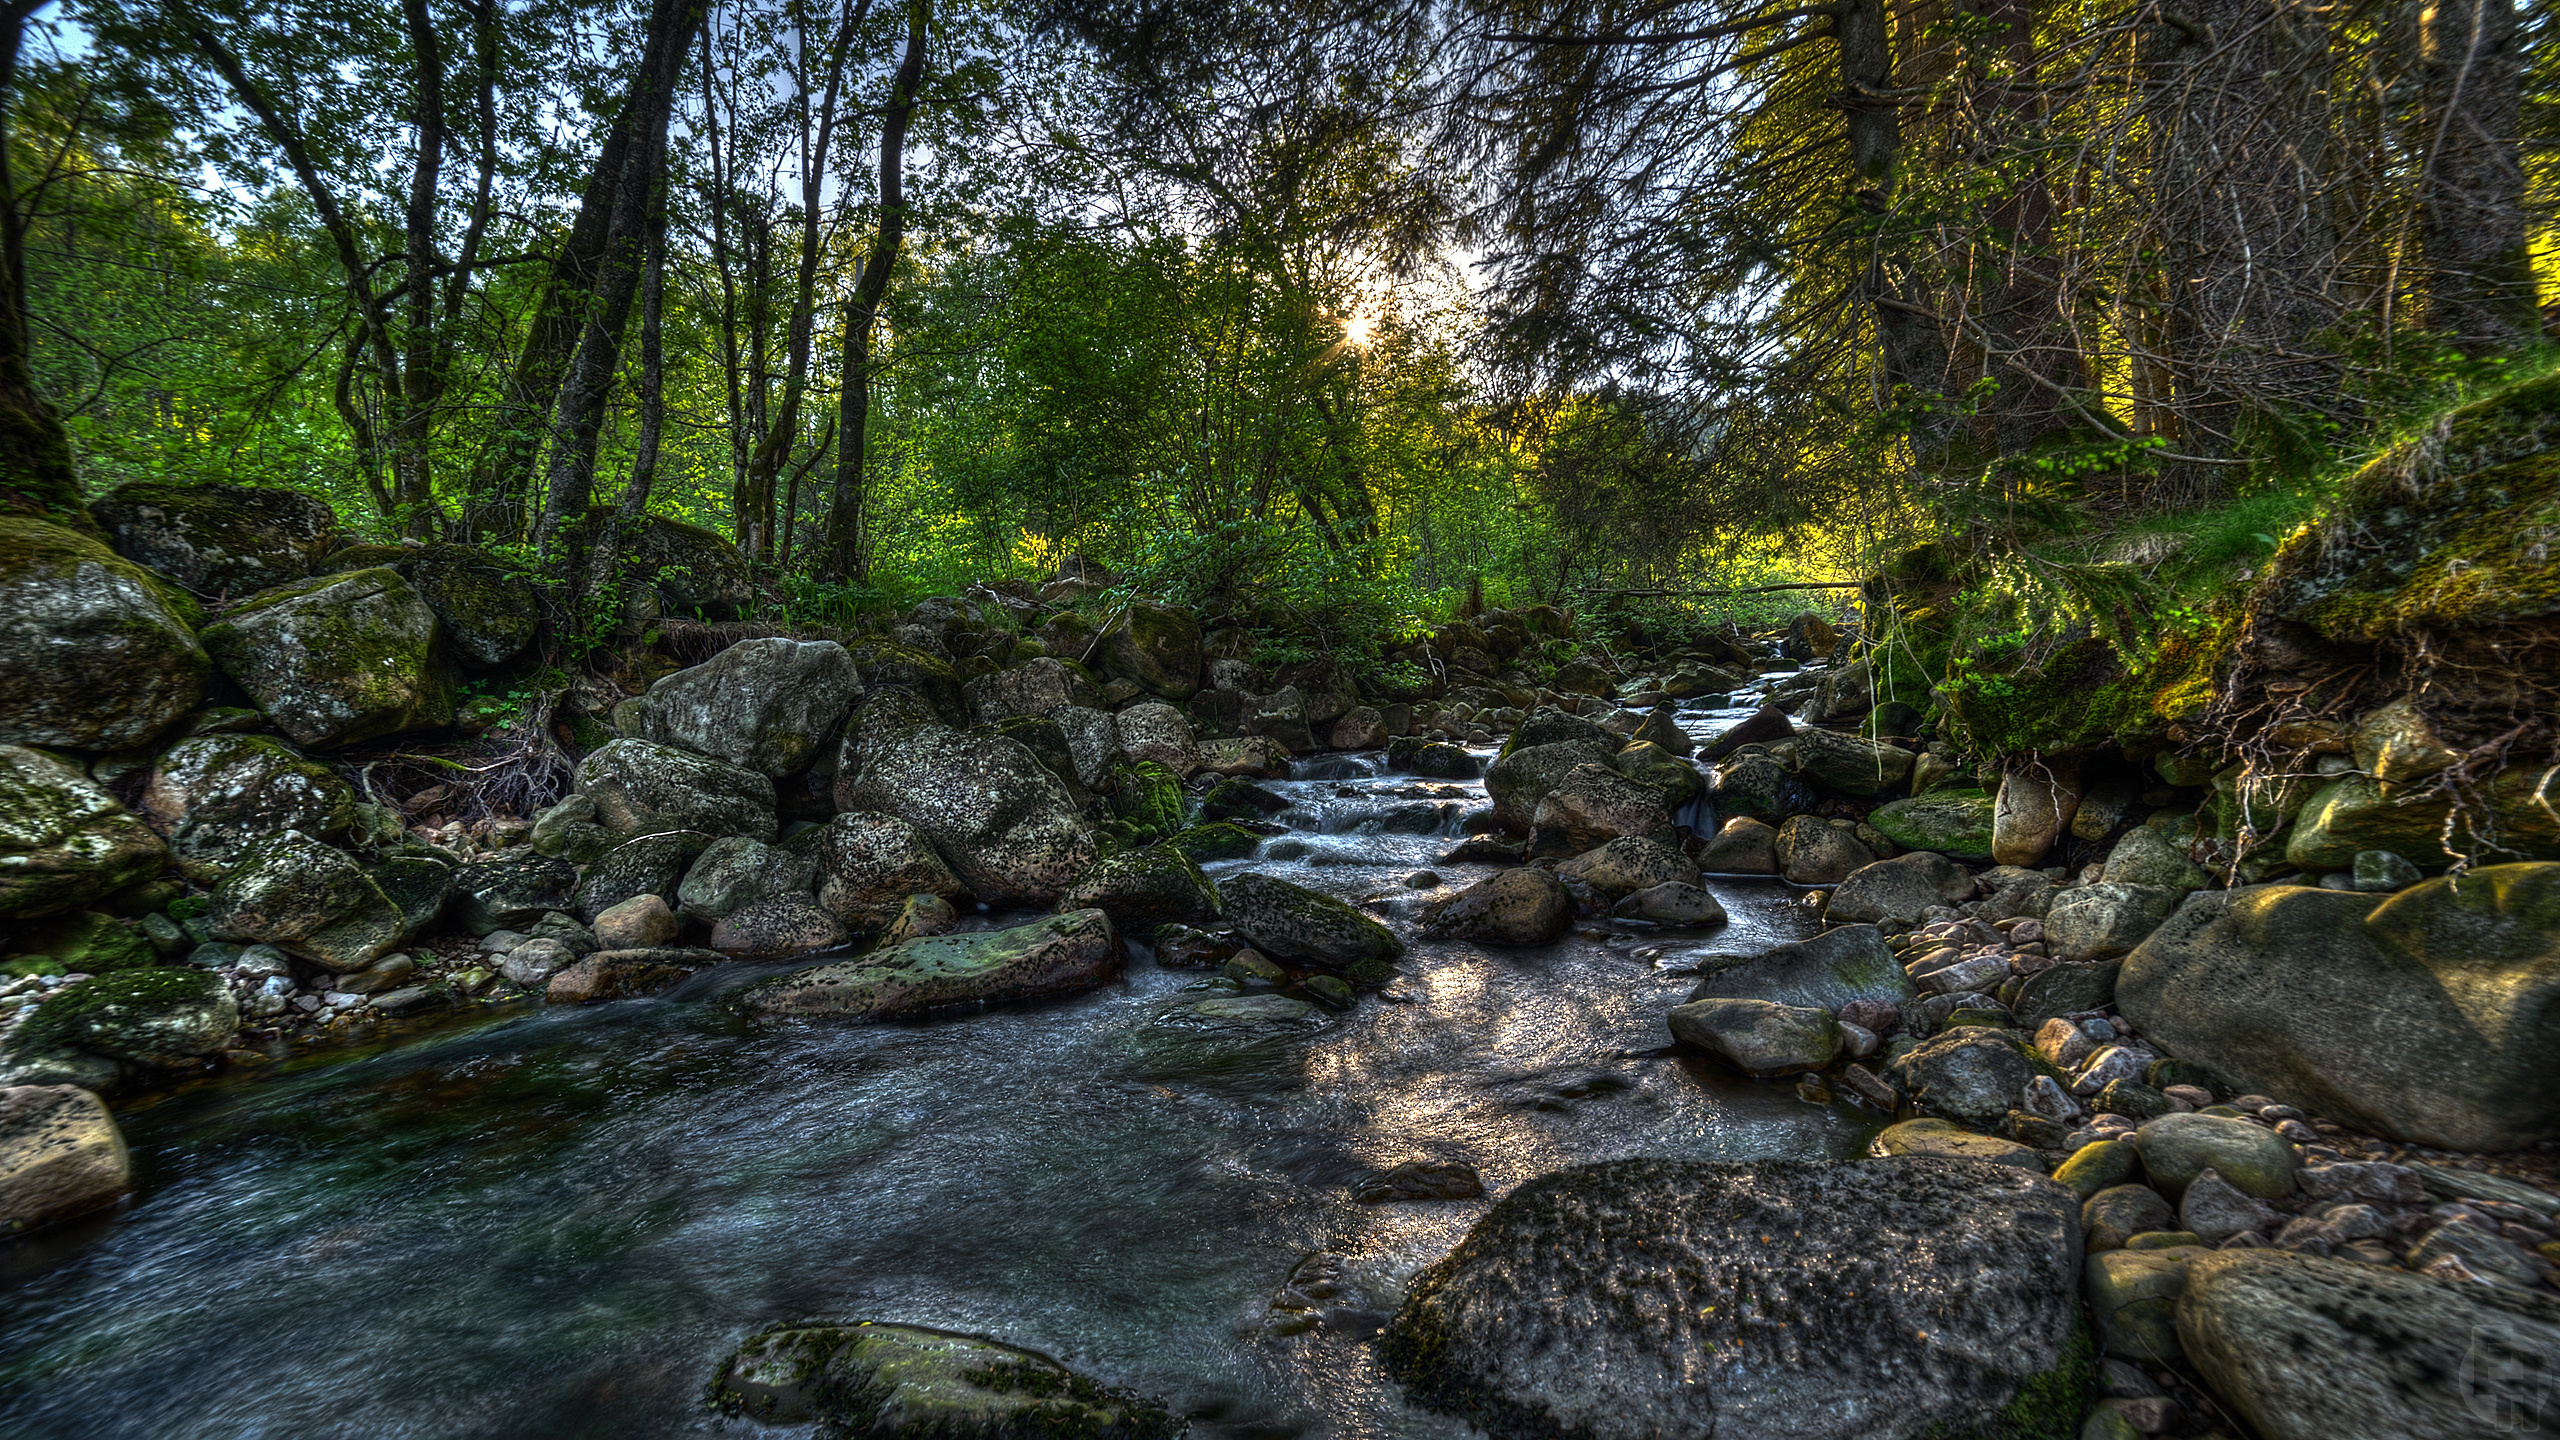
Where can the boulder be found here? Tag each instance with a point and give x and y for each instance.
(641, 865)
(1674, 903)
(339, 659)
(1650, 764)
(1743, 846)
(1593, 805)
(60, 1156)
(1972, 1074)
(1763, 726)
(2034, 809)
(776, 928)
(928, 678)
(639, 923)
(2357, 812)
(218, 540)
(1896, 893)
(2308, 1348)
(63, 841)
(2175, 1149)
(1662, 727)
(568, 831)
(734, 870)
(1946, 1141)
(1142, 890)
(1156, 647)
(1004, 824)
(86, 942)
(1954, 823)
(2102, 921)
(2429, 1015)
(641, 787)
(1849, 765)
(1156, 731)
(217, 795)
(1093, 742)
(1943, 1285)
(1360, 728)
(762, 705)
(95, 653)
(1518, 781)
(2133, 1295)
(1525, 906)
(511, 892)
(624, 974)
(1289, 923)
(867, 1378)
(1057, 956)
(1434, 759)
(1628, 864)
(1547, 725)
(699, 575)
(1038, 687)
(162, 1017)
(1757, 786)
(306, 899)
(2114, 1214)
(487, 610)
(1838, 967)
(1813, 851)
(1758, 1037)
(2146, 857)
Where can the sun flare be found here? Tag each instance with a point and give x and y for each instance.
(1360, 331)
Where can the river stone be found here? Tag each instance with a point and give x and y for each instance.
(1218, 840)
(2379, 872)
(1898, 892)
(1758, 1037)
(1057, 956)
(1946, 1140)
(762, 705)
(1743, 846)
(641, 787)
(1524, 906)
(511, 893)
(864, 1378)
(1880, 1298)
(2177, 1148)
(642, 865)
(998, 817)
(1242, 1014)
(734, 870)
(869, 863)
(533, 963)
(1156, 647)
(2133, 1295)
(1093, 741)
(2098, 1165)
(1756, 785)
(1628, 864)
(2035, 806)
(2102, 921)
(161, 1017)
(2117, 1213)
(95, 653)
(1143, 890)
(1836, 968)
(1288, 922)
(568, 831)
(2214, 1209)
(1649, 764)
(1548, 725)
(218, 539)
(60, 1156)
(1039, 687)
(1848, 765)
(776, 928)
(1156, 731)
(486, 609)
(1972, 1074)
(922, 915)
(2064, 990)
(2430, 1015)
(339, 659)
(639, 923)
(87, 943)
(1518, 781)
(64, 841)
(2146, 857)
(1662, 727)
(1813, 851)
(306, 899)
(2357, 812)
(2308, 1348)
(1954, 823)
(216, 795)
(625, 974)
(1673, 903)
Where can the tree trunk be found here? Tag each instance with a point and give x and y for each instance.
(2025, 337)
(613, 539)
(37, 473)
(2480, 282)
(1911, 353)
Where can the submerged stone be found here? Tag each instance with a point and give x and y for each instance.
(1057, 956)
(864, 1378)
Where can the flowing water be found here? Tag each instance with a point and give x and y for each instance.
(557, 1222)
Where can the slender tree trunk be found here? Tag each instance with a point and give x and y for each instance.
(847, 546)
(2480, 282)
(1911, 352)
(412, 480)
(37, 473)
(613, 539)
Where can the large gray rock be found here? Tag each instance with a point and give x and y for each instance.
(1593, 805)
(160, 1017)
(874, 1379)
(1758, 1037)
(2430, 1015)
(1003, 822)
(869, 863)
(1756, 786)
(94, 653)
(1743, 846)
(1093, 741)
(762, 705)
(642, 865)
(1036, 688)
(1639, 1299)
(218, 540)
(1156, 731)
(1954, 823)
(1142, 890)
(778, 927)
(1848, 765)
(2102, 921)
(1898, 892)
(1287, 922)
(64, 841)
(1973, 1074)
(60, 1156)
(217, 795)
(340, 659)
(1629, 864)
(1520, 779)
(2308, 1348)
(511, 892)
(1525, 906)
(2175, 1149)
(1056, 956)
(306, 899)
(487, 610)
(641, 787)
(1813, 851)
(734, 870)
(1156, 647)
(1840, 965)
(2146, 857)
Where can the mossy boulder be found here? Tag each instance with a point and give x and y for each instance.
(158, 1017)
(643, 865)
(307, 899)
(88, 943)
(1217, 840)
(95, 652)
(1003, 821)
(1954, 823)
(862, 1378)
(218, 540)
(1290, 923)
(870, 864)
(765, 705)
(1146, 803)
(487, 608)
(696, 573)
(1061, 955)
(217, 795)
(1156, 647)
(340, 659)
(64, 841)
(886, 664)
(641, 787)
(1520, 779)
(1142, 890)
(2509, 818)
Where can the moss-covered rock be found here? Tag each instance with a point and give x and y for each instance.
(218, 540)
(64, 841)
(1061, 955)
(1003, 821)
(307, 899)
(1217, 840)
(697, 573)
(1142, 890)
(929, 677)
(1291, 923)
(158, 1017)
(1157, 647)
(641, 787)
(766, 705)
(1954, 823)
(217, 795)
(340, 659)
(2509, 818)
(1147, 803)
(95, 652)
(88, 943)
(488, 610)
(861, 1378)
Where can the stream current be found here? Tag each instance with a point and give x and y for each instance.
(558, 1222)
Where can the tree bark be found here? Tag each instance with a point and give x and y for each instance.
(2480, 282)
(38, 475)
(1911, 353)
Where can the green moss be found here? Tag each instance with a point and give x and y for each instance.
(2049, 1405)
(1148, 803)
(1218, 840)
(73, 1013)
